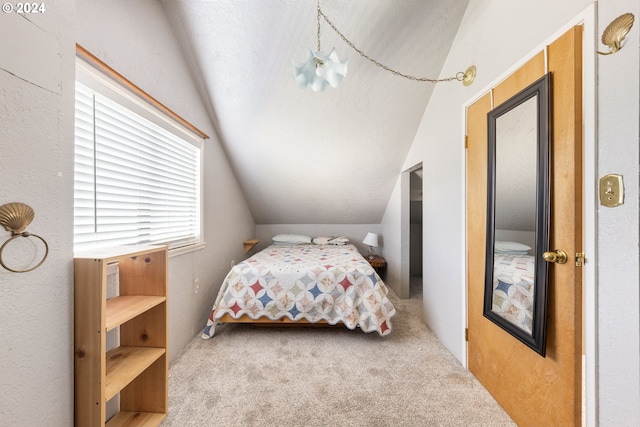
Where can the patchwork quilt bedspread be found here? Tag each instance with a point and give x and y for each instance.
(313, 282)
(513, 278)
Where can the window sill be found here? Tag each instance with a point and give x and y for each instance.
(186, 249)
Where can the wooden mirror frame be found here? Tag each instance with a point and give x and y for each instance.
(536, 340)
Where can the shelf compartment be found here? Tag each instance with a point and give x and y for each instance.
(124, 364)
(124, 308)
(132, 419)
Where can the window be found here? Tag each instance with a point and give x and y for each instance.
(136, 172)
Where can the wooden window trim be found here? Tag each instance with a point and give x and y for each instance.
(102, 66)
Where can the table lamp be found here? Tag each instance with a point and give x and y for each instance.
(371, 240)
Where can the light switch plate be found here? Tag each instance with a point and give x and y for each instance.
(611, 190)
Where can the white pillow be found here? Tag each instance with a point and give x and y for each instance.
(321, 240)
(294, 239)
(338, 241)
(512, 252)
(509, 247)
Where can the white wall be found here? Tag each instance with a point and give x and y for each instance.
(617, 256)
(36, 168)
(149, 56)
(493, 39)
(37, 70)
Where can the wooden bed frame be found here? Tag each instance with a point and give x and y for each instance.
(283, 321)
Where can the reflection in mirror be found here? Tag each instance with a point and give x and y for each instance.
(517, 215)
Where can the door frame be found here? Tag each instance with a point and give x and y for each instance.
(587, 18)
(405, 229)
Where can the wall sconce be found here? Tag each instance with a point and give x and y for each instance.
(371, 240)
(616, 31)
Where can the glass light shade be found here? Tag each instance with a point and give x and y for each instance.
(320, 70)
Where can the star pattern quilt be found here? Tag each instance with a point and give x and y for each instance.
(513, 278)
(313, 282)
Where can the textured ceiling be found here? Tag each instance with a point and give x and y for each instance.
(303, 157)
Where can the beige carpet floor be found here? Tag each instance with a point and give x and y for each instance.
(302, 376)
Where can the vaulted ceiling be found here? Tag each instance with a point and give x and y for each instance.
(303, 157)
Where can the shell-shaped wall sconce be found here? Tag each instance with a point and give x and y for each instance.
(616, 31)
(15, 217)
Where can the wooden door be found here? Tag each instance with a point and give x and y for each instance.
(534, 390)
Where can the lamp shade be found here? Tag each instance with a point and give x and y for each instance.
(320, 70)
(371, 239)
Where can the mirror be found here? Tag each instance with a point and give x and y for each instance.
(518, 210)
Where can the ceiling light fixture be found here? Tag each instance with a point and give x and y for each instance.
(321, 69)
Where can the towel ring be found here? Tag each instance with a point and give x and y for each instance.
(24, 234)
(15, 217)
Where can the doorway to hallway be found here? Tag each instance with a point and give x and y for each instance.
(411, 232)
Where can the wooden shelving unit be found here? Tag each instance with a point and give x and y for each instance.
(137, 369)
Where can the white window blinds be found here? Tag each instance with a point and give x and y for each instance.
(135, 182)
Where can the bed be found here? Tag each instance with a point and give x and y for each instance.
(513, 278)
(304, 283)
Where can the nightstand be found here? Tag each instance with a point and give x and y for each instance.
(378, 263)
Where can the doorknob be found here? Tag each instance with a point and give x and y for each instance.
(558, 256)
